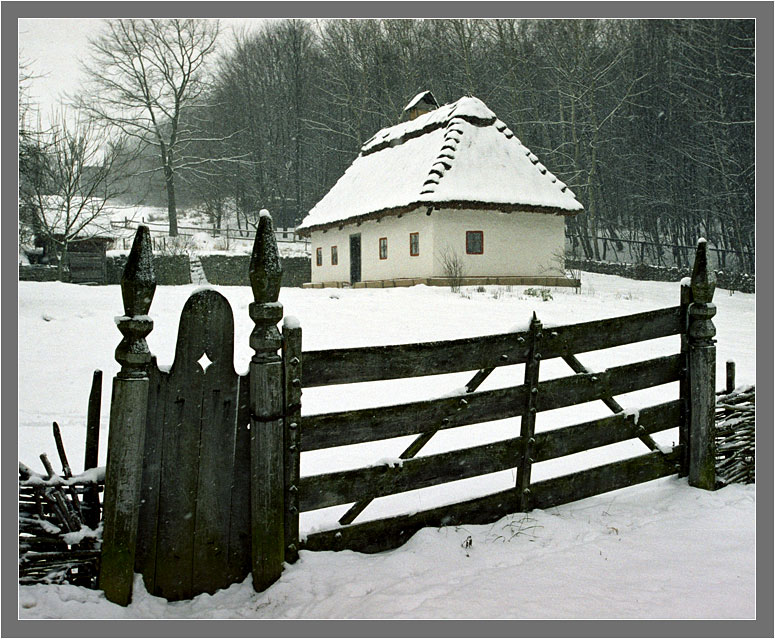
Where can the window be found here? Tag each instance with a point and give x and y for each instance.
(334, 256)
(319, 256)
(474, 242)
(383, 248)
(414, 244)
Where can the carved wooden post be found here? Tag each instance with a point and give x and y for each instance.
(266, 410)
(702, 374)
(292, 377)
(528, 422)
(128, 413)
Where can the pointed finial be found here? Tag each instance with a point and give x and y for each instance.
(703, 278)
(265, 269)
(138, 282)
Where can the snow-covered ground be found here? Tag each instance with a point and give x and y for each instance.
(660, 550)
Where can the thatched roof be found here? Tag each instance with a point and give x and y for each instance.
(458, 156)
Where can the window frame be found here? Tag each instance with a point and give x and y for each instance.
(379, 249)
(417, 236)
(334, 255)
(481, 242)
(319, 256)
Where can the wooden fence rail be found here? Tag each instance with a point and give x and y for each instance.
(203, 480)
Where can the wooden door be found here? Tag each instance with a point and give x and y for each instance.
(355, 258)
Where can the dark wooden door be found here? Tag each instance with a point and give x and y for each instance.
(355, 258)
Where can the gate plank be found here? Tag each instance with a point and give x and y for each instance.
(384, 534)
(372, 363)
(343, 487)
(354, 427)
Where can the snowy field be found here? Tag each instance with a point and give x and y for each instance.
(660, 551)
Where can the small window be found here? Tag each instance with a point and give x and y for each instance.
(334, 256)
(383, 248)
(474, 242)
(319, 256)
(414, 244)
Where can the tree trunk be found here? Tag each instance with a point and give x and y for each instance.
(169, 181)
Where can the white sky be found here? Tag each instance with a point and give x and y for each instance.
(53, 46)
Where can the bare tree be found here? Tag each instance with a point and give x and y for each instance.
(75, 175)
(142, 77)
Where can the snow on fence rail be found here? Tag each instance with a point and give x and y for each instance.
(203, 487)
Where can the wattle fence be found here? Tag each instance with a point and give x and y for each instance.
(203, 485)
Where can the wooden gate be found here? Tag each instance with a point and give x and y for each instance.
(192, 471)
(202, 481)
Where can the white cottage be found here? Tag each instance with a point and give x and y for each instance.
(451, 183)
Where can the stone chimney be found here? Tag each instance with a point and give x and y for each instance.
(420, 104)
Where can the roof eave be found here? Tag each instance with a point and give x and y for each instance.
(455, 204)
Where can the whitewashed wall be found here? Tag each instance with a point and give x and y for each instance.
(514, 243)
(398, 263)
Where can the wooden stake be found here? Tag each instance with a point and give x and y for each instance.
(91, 499)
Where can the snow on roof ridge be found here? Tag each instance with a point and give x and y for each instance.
(468, 108)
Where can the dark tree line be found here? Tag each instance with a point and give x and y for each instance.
(651, 122)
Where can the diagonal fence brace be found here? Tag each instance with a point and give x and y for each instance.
(615, 406)
(415, 447)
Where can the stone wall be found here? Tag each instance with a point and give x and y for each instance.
(38, 273)
(729, 281)
(169, 269)
(232, 270)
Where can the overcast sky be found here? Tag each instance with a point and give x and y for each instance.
(53, 46)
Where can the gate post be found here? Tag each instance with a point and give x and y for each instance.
(128, 413)
(292, 415)
(528, 420)
(702, 374)
(267, 504)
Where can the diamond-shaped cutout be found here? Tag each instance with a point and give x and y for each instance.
(204, 361)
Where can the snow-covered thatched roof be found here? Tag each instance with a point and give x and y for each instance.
(458, 156)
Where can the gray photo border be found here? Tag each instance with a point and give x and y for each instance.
(761, 627)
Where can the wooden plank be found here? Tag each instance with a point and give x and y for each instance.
(351, 427)
(239, 551)
(606, 430)
(357, 426)
(602, 479)
(178, 484)
(569, 391)
(384, 534)
(217, 438)
(351, 365)
(158, 405)
(343, 487)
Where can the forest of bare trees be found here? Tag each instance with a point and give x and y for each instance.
(650, 122)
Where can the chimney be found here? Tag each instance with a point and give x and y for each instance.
(420, 104)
